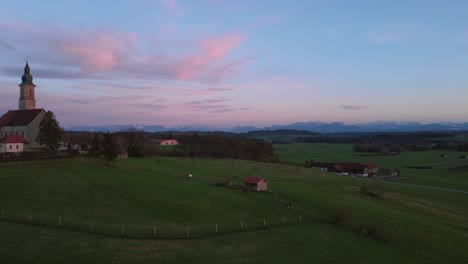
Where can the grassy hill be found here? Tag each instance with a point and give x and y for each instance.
(407, 225)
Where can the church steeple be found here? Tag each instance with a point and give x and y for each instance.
(27, 99)
(27, 77)
(26, 68)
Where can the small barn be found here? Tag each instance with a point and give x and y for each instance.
(253, 183)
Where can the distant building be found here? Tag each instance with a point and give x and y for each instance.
(258, 184)
(12, 143)
(347, 168)
(122, 155)
(165, 142)
(322, 166)
(25, 121)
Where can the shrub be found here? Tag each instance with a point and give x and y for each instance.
(339, 216)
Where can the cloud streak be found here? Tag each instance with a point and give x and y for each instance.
(353, 107)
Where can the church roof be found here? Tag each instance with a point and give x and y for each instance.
(19, 117)
(13, 139)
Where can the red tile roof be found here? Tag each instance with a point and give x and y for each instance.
(13, 139)
(370, 165)
(19, 117)
(253, 179)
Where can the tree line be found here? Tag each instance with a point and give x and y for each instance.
(212, 145)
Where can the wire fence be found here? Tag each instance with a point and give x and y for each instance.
(430, 248)
(148, 230)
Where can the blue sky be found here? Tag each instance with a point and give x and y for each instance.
(227, 62)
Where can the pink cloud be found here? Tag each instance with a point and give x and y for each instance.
(98, 51)
(71, 53)
(212, 51)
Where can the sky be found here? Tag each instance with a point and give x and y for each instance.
(230, 63)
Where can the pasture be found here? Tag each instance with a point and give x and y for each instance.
(446, 172)
(407, 225)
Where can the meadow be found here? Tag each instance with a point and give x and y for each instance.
(407, 225)
(446, 172)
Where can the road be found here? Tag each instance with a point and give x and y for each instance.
(427, 187)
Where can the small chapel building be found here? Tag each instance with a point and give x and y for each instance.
(23, 123)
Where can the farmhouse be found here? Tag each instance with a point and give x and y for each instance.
(322, 166)
(123, 155)
(25, 121)
(347, 168)
(165, 142)
(258, 184)
(12, 143)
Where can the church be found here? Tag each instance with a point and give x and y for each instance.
(19, 128)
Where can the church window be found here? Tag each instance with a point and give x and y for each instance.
(30, 92)
(10, 146)
(16, 146)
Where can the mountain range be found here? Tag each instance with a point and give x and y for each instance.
(317, 126)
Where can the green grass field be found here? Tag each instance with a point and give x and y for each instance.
(408, 225)
(449, 172)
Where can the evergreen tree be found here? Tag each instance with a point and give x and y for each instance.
(109, 147)
(96, 149)
(50, 132)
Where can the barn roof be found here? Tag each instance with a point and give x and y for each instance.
(370, 165)
(19, 117)
(13, 139)
(253, 179)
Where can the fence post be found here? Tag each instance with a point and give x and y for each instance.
(241, 225)
(188, 231)
(123, 230)
(216, 228)
(30, 218)
(3, 213)
(300, 219)
(92, 227)
(154, 231)
(60, 220)
(283, 220)
(264, 222)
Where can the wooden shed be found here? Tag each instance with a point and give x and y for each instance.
(253, 183)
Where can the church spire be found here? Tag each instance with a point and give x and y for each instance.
(26, 68)
(27, 99)
(27, 77)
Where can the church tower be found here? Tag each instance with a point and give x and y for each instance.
(27, 99)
